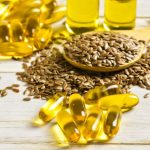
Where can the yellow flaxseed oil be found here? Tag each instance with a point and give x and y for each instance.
(82, 15)
(120, 14)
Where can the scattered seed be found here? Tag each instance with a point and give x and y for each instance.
(15, 90)
(3, 93)
(15, 85)
(27, 99)
(8, 88)
(147, 95)
(49, 73)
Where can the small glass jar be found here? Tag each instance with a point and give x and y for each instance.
(82, 15)
(120, 14)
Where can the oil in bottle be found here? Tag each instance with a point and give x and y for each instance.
(120, 14)
(82, 15)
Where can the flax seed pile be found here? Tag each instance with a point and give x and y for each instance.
(49, 73)
(102, 49)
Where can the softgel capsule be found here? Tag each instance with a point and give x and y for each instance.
(82, 123)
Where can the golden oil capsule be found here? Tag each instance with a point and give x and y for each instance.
(66, 123)
(5, 8)
(112, 121)
(102, 137)
(5, 57)
(31, 26)
(8, 1)
(58, 13)
(42, 37)
(16, 49)
(31, 3)
(123, 101)
(46, 11)
(77, 108)
(52, 107)
(47, 1)
(38, 122)
(92, 124)
(31, 12)
(17, 33)
(59, 136)
(4, 32)
(23, 15)
(60, 33)
(93, 95)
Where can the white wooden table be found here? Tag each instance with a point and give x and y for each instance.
(16, 132)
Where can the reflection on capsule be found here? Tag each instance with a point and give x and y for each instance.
(42, 37)
(31, 25)
(4, 32)
(46, 11)
(16, 49)
(112, 121)
(38, 122)
(123, 101)
(101, 136)
(93, 95)
(110, 89)
(5, 7)
(59, 136)
(58, 13)
(52, 107)
(77, 108)
(22, 9)
(92, 124)
(69, 128)
(16, 29)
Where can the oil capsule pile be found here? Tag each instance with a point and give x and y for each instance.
(27, 23)
(93, 117)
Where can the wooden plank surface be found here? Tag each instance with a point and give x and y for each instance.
(17, 133)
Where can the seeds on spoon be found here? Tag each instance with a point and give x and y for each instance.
(102, 49)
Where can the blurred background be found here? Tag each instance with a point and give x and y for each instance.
(143, 7)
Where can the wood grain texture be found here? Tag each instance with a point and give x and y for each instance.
(16, 128)
(17, 132)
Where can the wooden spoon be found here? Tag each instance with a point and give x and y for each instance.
(103, 68)
(140, 34)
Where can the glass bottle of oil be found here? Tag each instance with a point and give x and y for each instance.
(120, 14)
(82, 15)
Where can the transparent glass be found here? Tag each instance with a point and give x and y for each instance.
(120, 14)
(82, 15)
